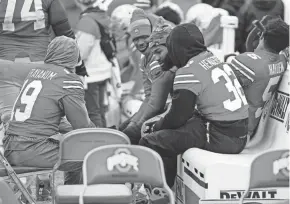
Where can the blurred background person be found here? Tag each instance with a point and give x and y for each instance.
(255, 10)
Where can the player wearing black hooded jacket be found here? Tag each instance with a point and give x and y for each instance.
(220, 122)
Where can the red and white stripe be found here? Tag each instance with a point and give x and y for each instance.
(73, 85)
(185, 79)
(246, 71)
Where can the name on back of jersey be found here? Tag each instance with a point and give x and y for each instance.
(42, 74)
(209, 63)
(277, 68)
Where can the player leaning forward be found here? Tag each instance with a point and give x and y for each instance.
(50, 91)
(157, 82)
(219, 124)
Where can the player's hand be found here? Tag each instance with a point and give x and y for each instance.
(149, 127)
(81, 69)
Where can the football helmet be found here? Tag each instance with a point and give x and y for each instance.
(120, 19)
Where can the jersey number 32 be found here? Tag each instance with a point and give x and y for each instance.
(25, 15)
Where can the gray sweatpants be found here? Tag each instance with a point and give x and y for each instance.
(39, 152)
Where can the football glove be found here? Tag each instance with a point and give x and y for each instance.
(81, 69)
(149, 127)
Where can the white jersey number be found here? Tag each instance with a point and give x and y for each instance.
(233, 86)
(28, 96)
(267, 94)
(26, 15)
(254, 56)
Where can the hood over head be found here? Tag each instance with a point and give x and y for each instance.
(184, 42)
(63, 51)
(160, 33)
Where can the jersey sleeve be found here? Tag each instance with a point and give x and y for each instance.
(73, 85)
(73, 102)
(155, 70)
(187, 80)
(244, 63)
(58, 19)
(88, 25)
(155, 103)
(75, 110)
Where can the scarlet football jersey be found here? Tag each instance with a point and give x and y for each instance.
(259, 73)
(24, 28)
(38, 109)
(219, 95)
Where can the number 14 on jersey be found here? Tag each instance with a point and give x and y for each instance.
(25, 15)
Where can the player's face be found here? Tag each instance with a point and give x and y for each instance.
(141, 43)
(160, 51)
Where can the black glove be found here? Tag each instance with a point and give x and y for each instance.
(81, 70)
(149, 127)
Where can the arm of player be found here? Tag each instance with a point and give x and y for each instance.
(182, 108)
(58, 20)
(76, 111)
(187, 86)
(161, 86)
